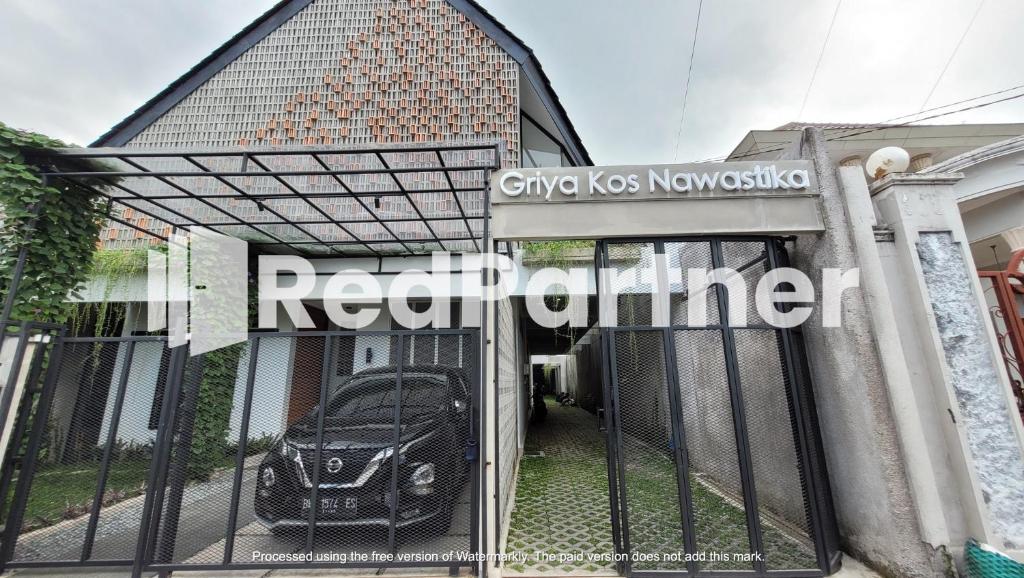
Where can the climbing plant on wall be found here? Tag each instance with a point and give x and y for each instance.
(213, 411)
(210, 446)
(562, 254)
(58, 223)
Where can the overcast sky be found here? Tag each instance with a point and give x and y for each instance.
(73, 68)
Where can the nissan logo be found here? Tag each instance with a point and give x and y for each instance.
(334, 465)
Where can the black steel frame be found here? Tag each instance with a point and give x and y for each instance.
(36, 386)
(156, 536)
(817, 497)
(110, 183)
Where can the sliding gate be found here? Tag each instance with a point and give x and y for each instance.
(291, 450)
(714, 457)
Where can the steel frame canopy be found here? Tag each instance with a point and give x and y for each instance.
(390, 200)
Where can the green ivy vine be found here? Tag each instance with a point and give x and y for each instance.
(59, 226)
(210, 446)
(111, 269)
(561, 254)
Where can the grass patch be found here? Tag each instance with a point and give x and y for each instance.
(562, 504)
(63, 492)
(562, 498)
(719, 525)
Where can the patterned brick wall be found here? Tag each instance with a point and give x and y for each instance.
(351, 72)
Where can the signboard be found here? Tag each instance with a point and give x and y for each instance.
(750, 197)
(664, 182)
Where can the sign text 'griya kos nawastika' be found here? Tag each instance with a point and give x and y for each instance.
(757, 197)
(566, 184)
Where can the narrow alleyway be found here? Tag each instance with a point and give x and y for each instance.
(562, 506)
(562, 495)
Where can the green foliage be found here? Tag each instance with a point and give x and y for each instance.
(59, 243)
(113, 268)
(216, 392)
(562, 254)
(556, 253)
(213, 411)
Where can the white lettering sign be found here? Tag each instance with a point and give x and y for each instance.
(566, 184)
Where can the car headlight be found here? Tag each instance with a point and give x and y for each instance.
(289, 451)
(422, 475)
(268, 477)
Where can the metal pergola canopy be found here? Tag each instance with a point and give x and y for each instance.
(382, 201)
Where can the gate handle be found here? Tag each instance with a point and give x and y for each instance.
(601, 426)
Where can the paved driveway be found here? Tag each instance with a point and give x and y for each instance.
(202, 529)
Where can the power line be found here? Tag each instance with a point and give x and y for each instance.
(953, 54)
(934, 116)
(821, 54)
(686, 88)
(852, 132)
(1003, 91)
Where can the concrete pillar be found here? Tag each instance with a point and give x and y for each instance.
(962, 396)
(855, 370)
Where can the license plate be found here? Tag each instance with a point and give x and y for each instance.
(335, 506)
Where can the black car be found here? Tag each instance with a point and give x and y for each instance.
(357, 456)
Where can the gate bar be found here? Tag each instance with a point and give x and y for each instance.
(803, 432)
(177, 475)
(243, 442)
(739, 416)
(396, 447)
(12, 527)
(161, 454)
(108, 451)
(624, 498)
(314, 490)
(484, 458)
(496, 404)
(609, 412)
(20, 425)
(680, 455)
(12, 373)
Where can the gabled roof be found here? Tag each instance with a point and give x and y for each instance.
(149, 112)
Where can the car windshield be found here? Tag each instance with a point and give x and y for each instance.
(373, 396)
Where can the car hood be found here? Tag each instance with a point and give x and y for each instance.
(350, 433)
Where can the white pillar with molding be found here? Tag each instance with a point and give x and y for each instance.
(957, 373)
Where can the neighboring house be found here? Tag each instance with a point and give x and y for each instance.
(991, 199)
(991, 196)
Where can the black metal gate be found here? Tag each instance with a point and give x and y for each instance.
(714, 456)
(291, 450)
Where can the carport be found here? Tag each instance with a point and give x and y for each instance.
(131, 412)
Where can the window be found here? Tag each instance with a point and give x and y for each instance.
(538, 148)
